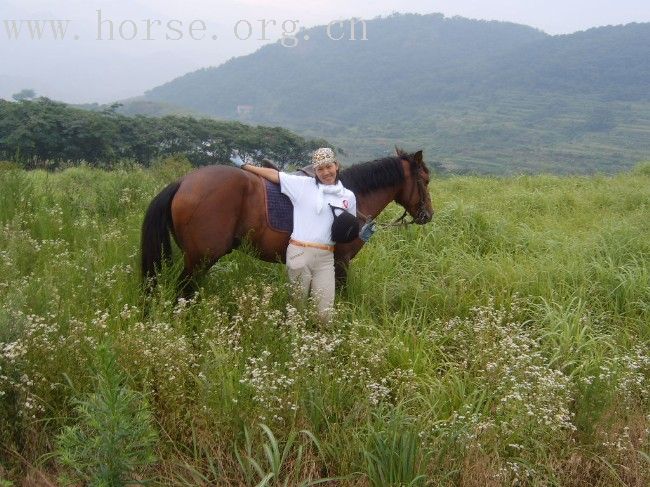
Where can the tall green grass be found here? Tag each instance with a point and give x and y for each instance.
(505, 342)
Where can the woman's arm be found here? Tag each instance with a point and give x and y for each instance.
(266, 172)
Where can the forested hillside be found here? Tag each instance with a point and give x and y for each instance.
(476, 95)
(610, 62)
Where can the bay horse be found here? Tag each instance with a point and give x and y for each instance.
(212, 209)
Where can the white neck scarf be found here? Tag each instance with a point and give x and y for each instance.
(335, 189)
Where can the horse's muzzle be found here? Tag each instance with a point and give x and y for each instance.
(423, 217)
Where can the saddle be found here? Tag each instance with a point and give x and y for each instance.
(279, 209)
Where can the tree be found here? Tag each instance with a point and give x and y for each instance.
(26, 94)
(111, 109)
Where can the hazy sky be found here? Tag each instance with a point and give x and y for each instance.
(81, 68)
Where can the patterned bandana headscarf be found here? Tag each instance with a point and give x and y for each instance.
(323, 156)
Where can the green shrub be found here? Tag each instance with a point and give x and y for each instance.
(113, 436)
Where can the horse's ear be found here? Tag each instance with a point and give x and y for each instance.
(399, 152)
(417, 157)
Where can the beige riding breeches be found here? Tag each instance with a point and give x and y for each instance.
(312, 269)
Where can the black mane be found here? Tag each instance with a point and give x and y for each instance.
(370, 176)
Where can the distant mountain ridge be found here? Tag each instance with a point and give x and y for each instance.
(328, 76)
(486, 96)
(612, 62)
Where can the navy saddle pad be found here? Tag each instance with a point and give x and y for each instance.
(279, 209)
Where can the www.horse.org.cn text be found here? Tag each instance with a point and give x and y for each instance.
(108, 28)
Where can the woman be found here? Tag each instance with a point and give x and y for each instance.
(310, 254)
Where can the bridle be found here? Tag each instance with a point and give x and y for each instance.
(421, 214)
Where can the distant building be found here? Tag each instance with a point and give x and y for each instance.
(244, 110)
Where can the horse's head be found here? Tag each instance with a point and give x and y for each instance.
(414, 194)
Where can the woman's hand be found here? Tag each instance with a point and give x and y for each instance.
(367, 231)
(236, 159)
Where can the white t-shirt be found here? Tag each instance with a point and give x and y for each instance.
(310, 225)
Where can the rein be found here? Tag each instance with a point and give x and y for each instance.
(399, 222)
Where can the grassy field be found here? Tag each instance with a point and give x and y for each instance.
(505, 343)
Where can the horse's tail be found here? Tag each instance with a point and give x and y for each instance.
(155, 243)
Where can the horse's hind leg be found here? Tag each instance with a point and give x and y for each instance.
(186, 282)
(197, 263)
(186, 285)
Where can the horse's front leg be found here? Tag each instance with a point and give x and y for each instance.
(342, 256)
(341, 265)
